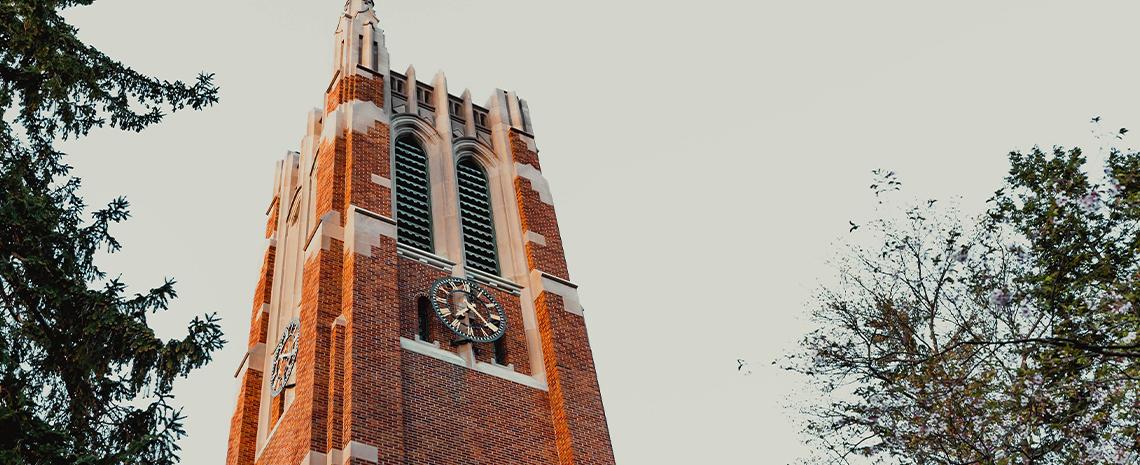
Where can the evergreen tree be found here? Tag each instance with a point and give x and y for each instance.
(83, 379)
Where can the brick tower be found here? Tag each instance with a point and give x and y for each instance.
(414, 305)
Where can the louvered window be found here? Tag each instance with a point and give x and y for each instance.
(475, 214)
(413, 201)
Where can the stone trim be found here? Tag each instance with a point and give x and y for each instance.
(527, 139)
(313, 458)
(357, 115)
(537, 181)
(545, 282)
(536, 238)
(425, 257)
(431, 350)
(332, 82)
(374, 74)
(380, 180)
(327, 228)
(492, 280)
(498, 371)
(254, 359)
(358, 450)
(262, 313)
(366, 227)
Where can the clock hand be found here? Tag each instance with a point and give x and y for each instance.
(485, 322)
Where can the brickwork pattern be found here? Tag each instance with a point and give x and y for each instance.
(243, 424)
(355, 87)
(320, 305)
(373, 402)
(330, 179)
(537, 216)
(457, 416)
(334, 432)
(579, 419)
(415, 280)
(303, 425)
(368, 155)
(521, 152)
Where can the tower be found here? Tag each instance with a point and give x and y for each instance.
(414, 305)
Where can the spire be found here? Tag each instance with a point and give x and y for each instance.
(359, 40)
(352, 7)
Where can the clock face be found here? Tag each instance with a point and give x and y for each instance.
(468, 310)
(285, 357)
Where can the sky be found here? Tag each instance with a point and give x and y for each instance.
(704, 158)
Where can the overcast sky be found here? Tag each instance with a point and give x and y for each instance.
(703, 156)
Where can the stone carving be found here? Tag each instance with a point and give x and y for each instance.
(361, 6)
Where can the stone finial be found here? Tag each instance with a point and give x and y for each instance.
(468, 114)
(352, 7)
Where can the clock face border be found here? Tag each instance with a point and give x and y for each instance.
(278, 376)
(475, 290)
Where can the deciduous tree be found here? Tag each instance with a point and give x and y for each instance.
(1010, 338)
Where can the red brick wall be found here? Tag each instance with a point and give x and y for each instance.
(575, 401)
(243, 424)
(336, 387)
(537, 216)
(373, 404)
(368, 156)
(355, 87)
(321, 301)
(455, 415)
(521, 152)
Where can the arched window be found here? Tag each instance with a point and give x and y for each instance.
(413, 198)
(424, 313)
(475, 216)
(501, 352)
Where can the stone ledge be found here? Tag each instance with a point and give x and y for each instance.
(254, 359)
(536, 238)
(424, 257)
(434, 351)
(546, 282)
(493, 281)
